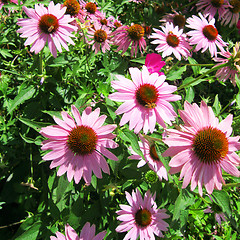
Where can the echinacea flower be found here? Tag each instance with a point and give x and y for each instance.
(103, 20)
(46, 25)
(77, 146)
(202, 148)
(154, 63)
(125, 36)
(151, 158)
(205, 35)
(146, 100)
(231, 15)
(87, 233)
(75, 9)
(232, 70)
(100, 37)
(171, 40)
(142, 218)
(211, 7)
(176, 18)
(91, 9)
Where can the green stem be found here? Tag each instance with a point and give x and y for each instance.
(202, 65)
(40, 63)
(203, 75)
(174, 66)
(230, 185)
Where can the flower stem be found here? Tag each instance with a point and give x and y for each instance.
(40, 63)
(201, 76)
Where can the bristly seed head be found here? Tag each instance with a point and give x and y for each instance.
(82, 140)
(172, 40)
(210, 145)
(147, 95)
(217, 3)
(136, 32)
(100, 36)
(210, 32)
(236, 6)
(91, 7)
(179, 20)
(48, 23)
(143, 217)
(73, 7)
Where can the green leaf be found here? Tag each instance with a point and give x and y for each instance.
(176, 74)
(22, 96)
(140, 60)
(222, 199)
(53, 113)
(29, 230)
(190, 81)
(35, 125)
(5, 53)
(196, 69)
(132, 138)
(189, 94)
(183, 201)
(58, 62)
(216, 105)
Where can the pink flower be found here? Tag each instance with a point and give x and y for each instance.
(91, 10)
(171, 40)
(211, 8)
(232, 13)
(151, 158)
(238, 26)
(154, 63)
(125, 36)
(103, 20)
(142, 218)
(87, 233)
(202, 147)
(75, 10)
(233, 69)
(100, 37)
(146, 100)
(46, 25)
(77, 146)
(205, 35)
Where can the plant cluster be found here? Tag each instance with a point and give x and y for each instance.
(119, 119)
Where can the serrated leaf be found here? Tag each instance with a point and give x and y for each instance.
(22, 96)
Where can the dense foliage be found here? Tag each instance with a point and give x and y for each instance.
(35, 203)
